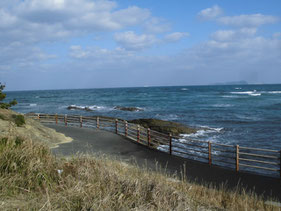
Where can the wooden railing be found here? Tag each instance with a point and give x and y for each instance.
(256, 160)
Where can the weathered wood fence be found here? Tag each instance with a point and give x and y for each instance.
(256, 160)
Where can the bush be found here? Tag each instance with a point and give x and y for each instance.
(3, 96)
(2, 117)
(19, 120)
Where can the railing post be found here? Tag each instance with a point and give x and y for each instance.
(126, 128)
(38, 116)
(81, 121)
(170, 144)
(148, 137)
(116, 126)
(138, 134)
(237, 158)
(210, 153)
(65, 119)
(56, 118)
(98, 122)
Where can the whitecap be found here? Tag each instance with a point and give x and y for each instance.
(272, 92)
(255, 94)
(222, 105)
(205, 131)
(88, 107)
(184, 89)
(199, 133)
(251, 93)
(229, 96)
(167, 117)
(238, 88)
(32, 104)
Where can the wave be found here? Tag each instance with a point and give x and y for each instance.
(255, 93)
(230, 96)
(32, 104)
(203, 132)
(238, 88)
(222, 105)
(251, 93)
(167, 117)
(184, 89)
(88, 108)
(271, 92)
(102, 108)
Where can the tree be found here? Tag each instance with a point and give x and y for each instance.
(3, 96)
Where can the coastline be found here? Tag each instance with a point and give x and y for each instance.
(96, 141)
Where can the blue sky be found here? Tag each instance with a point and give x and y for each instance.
(61, 44)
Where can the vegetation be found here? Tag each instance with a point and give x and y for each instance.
(3, 96)
(32, 179)
(18, 119)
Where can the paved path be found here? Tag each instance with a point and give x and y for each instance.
(86, 140)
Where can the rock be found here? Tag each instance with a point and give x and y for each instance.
(164, 126)
(74, 107)
(121, 108)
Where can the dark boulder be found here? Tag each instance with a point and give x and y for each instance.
(164, 126)
(121, 108)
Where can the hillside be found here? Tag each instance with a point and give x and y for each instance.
(31, 178)
(31, 129)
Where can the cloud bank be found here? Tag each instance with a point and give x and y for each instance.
(104, 45)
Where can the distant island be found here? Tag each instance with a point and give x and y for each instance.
(232, 83)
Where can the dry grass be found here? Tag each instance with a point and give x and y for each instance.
(18, 125)
(30, 180)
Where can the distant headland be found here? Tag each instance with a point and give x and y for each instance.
(232, 83)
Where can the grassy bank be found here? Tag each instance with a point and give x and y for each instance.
(15, 124)
(32, 178)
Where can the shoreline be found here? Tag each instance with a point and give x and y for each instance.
(93, 141)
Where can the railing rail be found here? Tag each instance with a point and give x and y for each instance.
(240, 158)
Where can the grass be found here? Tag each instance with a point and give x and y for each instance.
(2, 117)
(18, 119)
(31, 178)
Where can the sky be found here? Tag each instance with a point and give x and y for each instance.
(70, 44)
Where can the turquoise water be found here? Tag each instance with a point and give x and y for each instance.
(248, 115)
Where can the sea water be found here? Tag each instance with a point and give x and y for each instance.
(248, 115)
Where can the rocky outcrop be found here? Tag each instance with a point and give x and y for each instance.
(74, 107)
(164, 126)
(121, 108)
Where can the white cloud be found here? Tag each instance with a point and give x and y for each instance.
(18, 56)
(34, 21)
(131, 16)
(210, 13)
(156, 25)
(253, 20)
(229, 35)
(98, 54)
(175, 36)
(131, 41)
(217, 60)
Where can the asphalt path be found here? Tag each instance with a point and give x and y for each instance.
(95, 141)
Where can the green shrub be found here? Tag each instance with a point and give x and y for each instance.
(19, 120)
(2, 117)
(3, 96)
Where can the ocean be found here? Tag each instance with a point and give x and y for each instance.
(248, 115)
